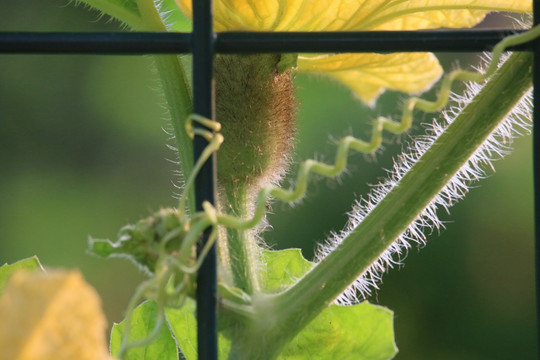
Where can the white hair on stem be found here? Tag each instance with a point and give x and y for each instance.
(517, 122)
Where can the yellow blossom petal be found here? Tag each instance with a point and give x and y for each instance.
(51, 316)
(430, 14)
(350, 15)
(368, 75)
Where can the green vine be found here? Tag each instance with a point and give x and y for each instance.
(292, 309)
(253, 314)
(382, 123)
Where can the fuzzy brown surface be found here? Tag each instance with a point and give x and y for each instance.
(255, 105)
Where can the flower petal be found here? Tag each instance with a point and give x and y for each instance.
(51, 316)
(424, 14)
(269, 15)
(350, 15)
(368, 75)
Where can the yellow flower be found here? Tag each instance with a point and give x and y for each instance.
(367, 75)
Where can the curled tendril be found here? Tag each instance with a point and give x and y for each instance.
(379, 125)
(175, 267)
(178, 267)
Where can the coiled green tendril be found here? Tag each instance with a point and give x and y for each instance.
(379, 125)
(178, 268)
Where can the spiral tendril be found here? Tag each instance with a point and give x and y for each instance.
(181, 265)
(379, 125)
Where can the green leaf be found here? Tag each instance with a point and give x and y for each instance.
(31, 263)
(283, 268)
(126, 11)
(184, 327)
(102, 248)
(361, 332)
(183, 323)
(143, 322)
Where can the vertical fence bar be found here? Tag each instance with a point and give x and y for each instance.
(203, 104)
(536, 165)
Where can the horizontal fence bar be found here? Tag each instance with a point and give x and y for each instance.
(139, 43)
(366, 41)
(117, 43)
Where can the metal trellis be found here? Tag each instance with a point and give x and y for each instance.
(203, 104)
(203, 43)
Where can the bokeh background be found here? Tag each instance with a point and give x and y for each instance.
(82, 152)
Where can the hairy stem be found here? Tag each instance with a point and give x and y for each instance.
(126, 13)
(297, 306)
(178, 96)
(242, 246)
(177, 91)
(256, 109)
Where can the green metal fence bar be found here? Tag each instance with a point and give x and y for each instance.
(203, 104)
(131, 43)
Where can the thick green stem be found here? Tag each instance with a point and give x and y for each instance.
(295, 308)
(177, 91)
(178, 96)
(242, 246)
(256, 108)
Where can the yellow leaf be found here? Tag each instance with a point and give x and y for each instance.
(350, 15)
(368, 75)
(51, 316)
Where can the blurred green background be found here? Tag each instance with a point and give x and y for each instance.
(82, 152)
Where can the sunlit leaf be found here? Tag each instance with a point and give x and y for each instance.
(143, 322)
(184, 327)
(361, 332)
(51, 316)
(6, 270)
(283, 268)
